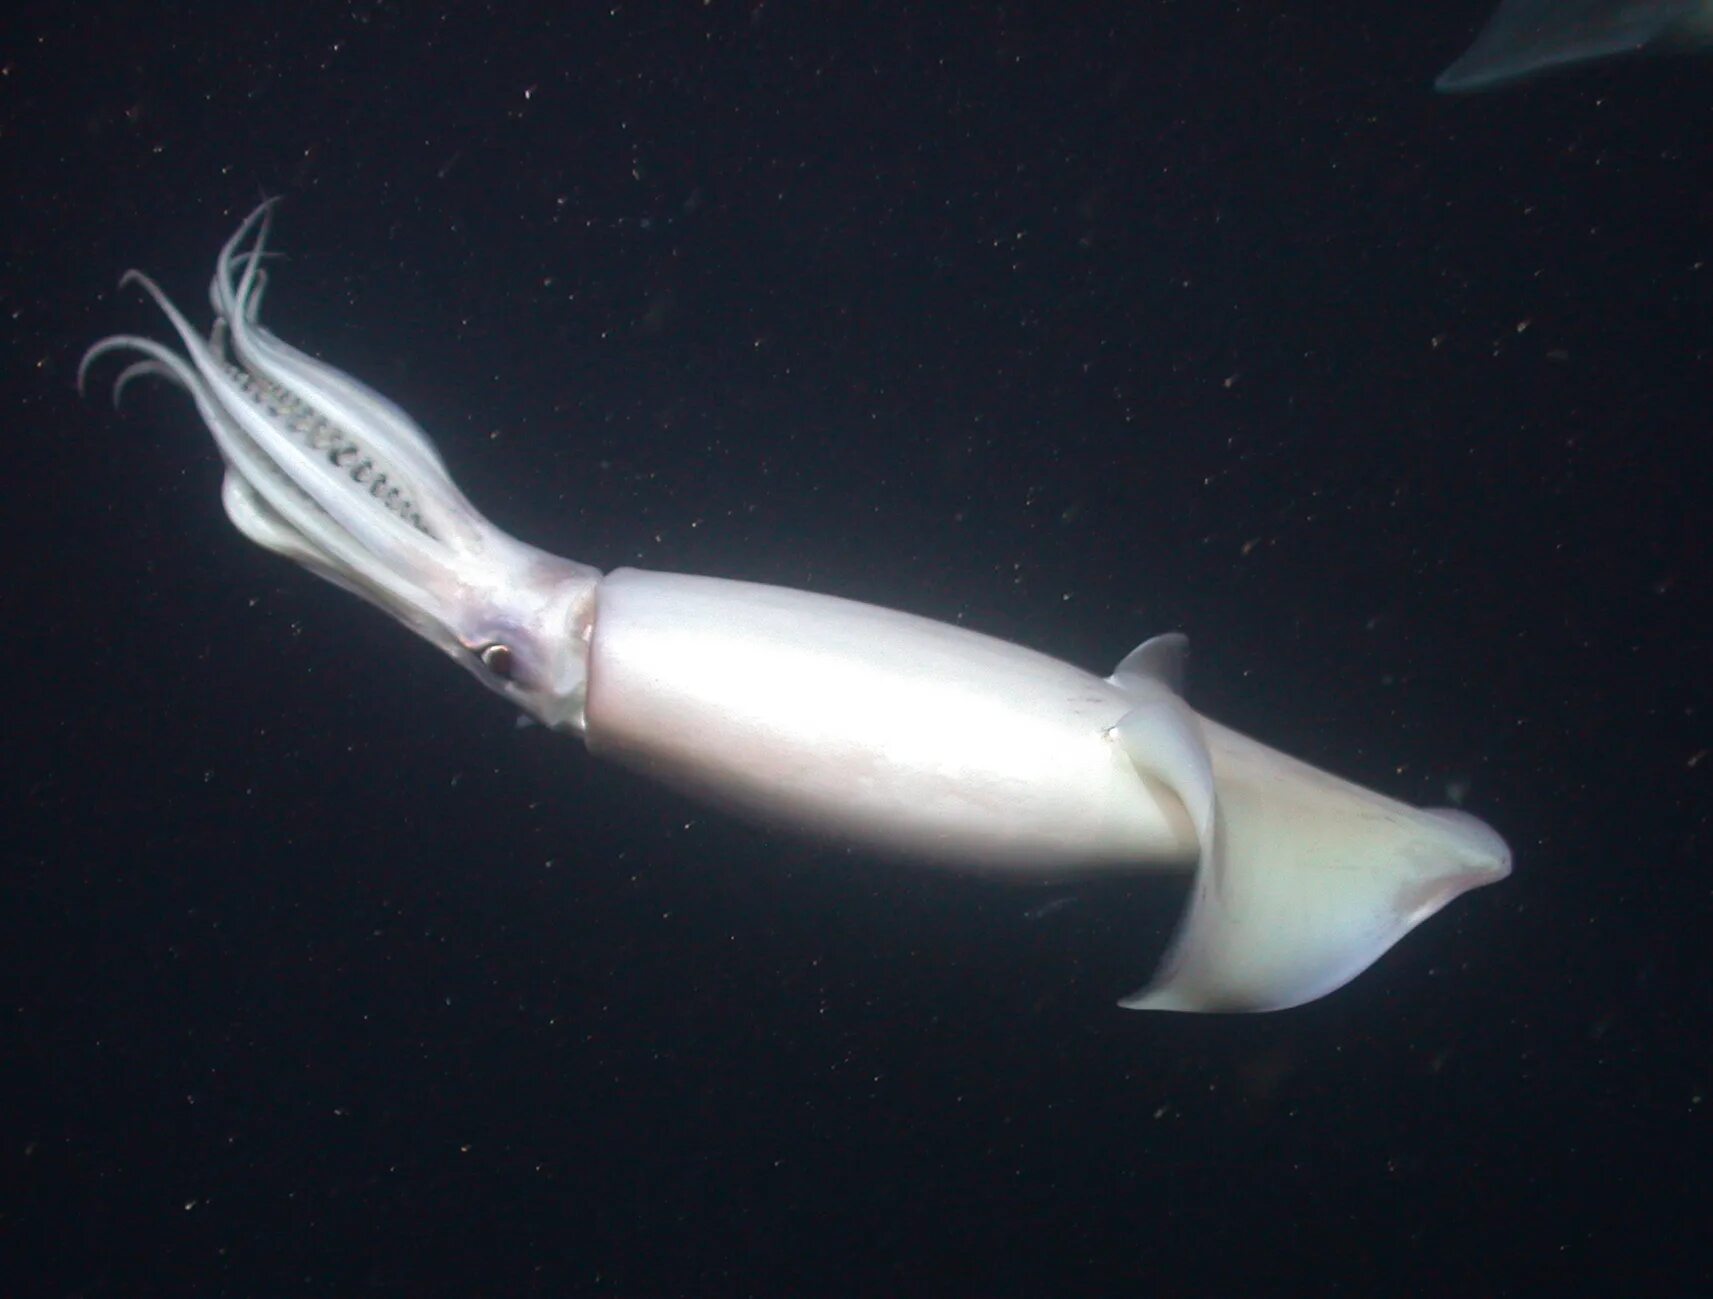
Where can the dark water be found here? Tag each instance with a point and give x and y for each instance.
(322, 978)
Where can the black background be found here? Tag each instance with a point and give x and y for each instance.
(322, 977)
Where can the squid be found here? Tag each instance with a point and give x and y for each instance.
(812, 713)
(1527, 38)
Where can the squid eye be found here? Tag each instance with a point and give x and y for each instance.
(499, 660)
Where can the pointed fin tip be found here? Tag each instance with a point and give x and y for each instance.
(1486, 852)
(1160, 995)
(1158, 659)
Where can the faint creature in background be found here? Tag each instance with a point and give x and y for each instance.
(1528, 37)
(1051, 907)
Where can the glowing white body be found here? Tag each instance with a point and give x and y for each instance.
(864, 723)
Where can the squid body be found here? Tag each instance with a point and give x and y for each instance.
(907, 735)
